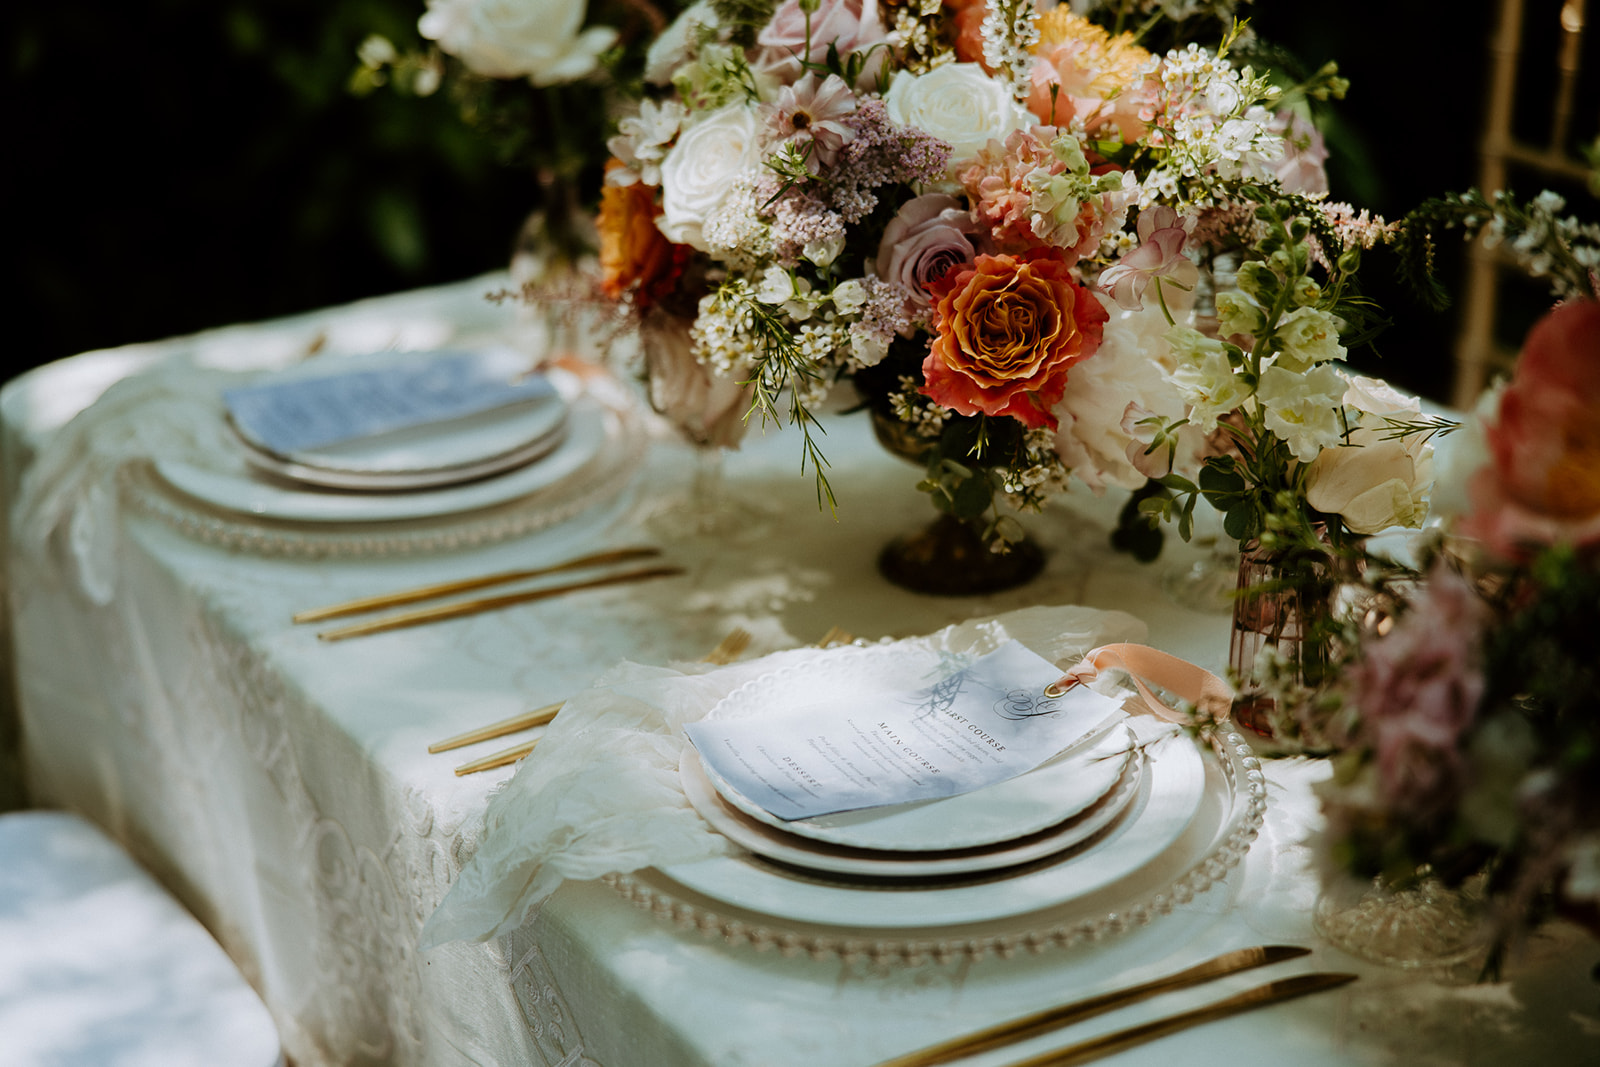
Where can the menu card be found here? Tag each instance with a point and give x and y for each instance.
(983, 724)
(295, 413)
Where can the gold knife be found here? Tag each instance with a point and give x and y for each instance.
(420, 616)
(467, 585)
(1041, 1022)
(1121, 1040)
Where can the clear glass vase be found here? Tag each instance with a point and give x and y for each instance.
(1419, 924)
(1283, 638)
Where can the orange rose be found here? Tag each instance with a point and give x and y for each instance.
(1009, 327)
(969, 15)
(633, 252)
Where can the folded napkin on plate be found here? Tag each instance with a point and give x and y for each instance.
(601, 792)
(292, 412)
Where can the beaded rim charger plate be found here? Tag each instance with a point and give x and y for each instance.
(597, 461)
(1167, 800)
(1229, 817)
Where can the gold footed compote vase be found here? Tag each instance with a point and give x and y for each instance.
(950, 556)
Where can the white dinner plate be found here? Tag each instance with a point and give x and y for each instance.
(1018, 807)
(775, 844)
(255, 494)
(1168, 798)
(401, 478)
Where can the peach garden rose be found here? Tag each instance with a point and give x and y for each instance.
(1009, 328)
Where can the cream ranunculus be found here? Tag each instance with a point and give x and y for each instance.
(957, 103)
(541, 40)
(701, 167)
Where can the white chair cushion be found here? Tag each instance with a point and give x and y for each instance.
(100, 967)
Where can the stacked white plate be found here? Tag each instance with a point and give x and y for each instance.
(532, 440)
(1073, 827)
(423, 457)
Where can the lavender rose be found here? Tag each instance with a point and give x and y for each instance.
(923, 241)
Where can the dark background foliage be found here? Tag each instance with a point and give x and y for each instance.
(178, 164)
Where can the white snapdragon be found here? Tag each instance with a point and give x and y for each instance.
(1308, 336)
(1204, 377)
(1302, 408)
(783, 290)
(701, 169)
(957, 103)
(850, 296)
(1238, 313)
(541, 40)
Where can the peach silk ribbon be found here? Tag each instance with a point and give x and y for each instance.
(1146, 666)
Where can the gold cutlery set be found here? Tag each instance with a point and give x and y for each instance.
(1030, 1026)
(460, 609)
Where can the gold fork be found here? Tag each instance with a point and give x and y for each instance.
(728, 649)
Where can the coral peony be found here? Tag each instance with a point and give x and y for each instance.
(1543, 484)
(1008, 330)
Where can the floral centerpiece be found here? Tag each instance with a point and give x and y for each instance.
(1467, 721)
(1003, 227)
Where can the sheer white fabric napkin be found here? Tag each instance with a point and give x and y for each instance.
(172, 410)
(601, 793)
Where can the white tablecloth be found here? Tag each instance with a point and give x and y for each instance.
(280, 786)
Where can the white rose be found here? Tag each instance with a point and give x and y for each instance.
(1374, 484)
(696, 174)
(675, 46)
(1302, 409)
(957, 103)
(539, 39)
(1374, 396)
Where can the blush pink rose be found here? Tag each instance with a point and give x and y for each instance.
(1009, 328)
(1543, 483)
(849, 25)
(925, 240)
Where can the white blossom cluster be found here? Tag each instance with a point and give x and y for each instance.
(734, 231)
(1547, 230)
(1214, 121)
(1010, 30)
(1040, 475)
(915, 410)
(724, 334)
